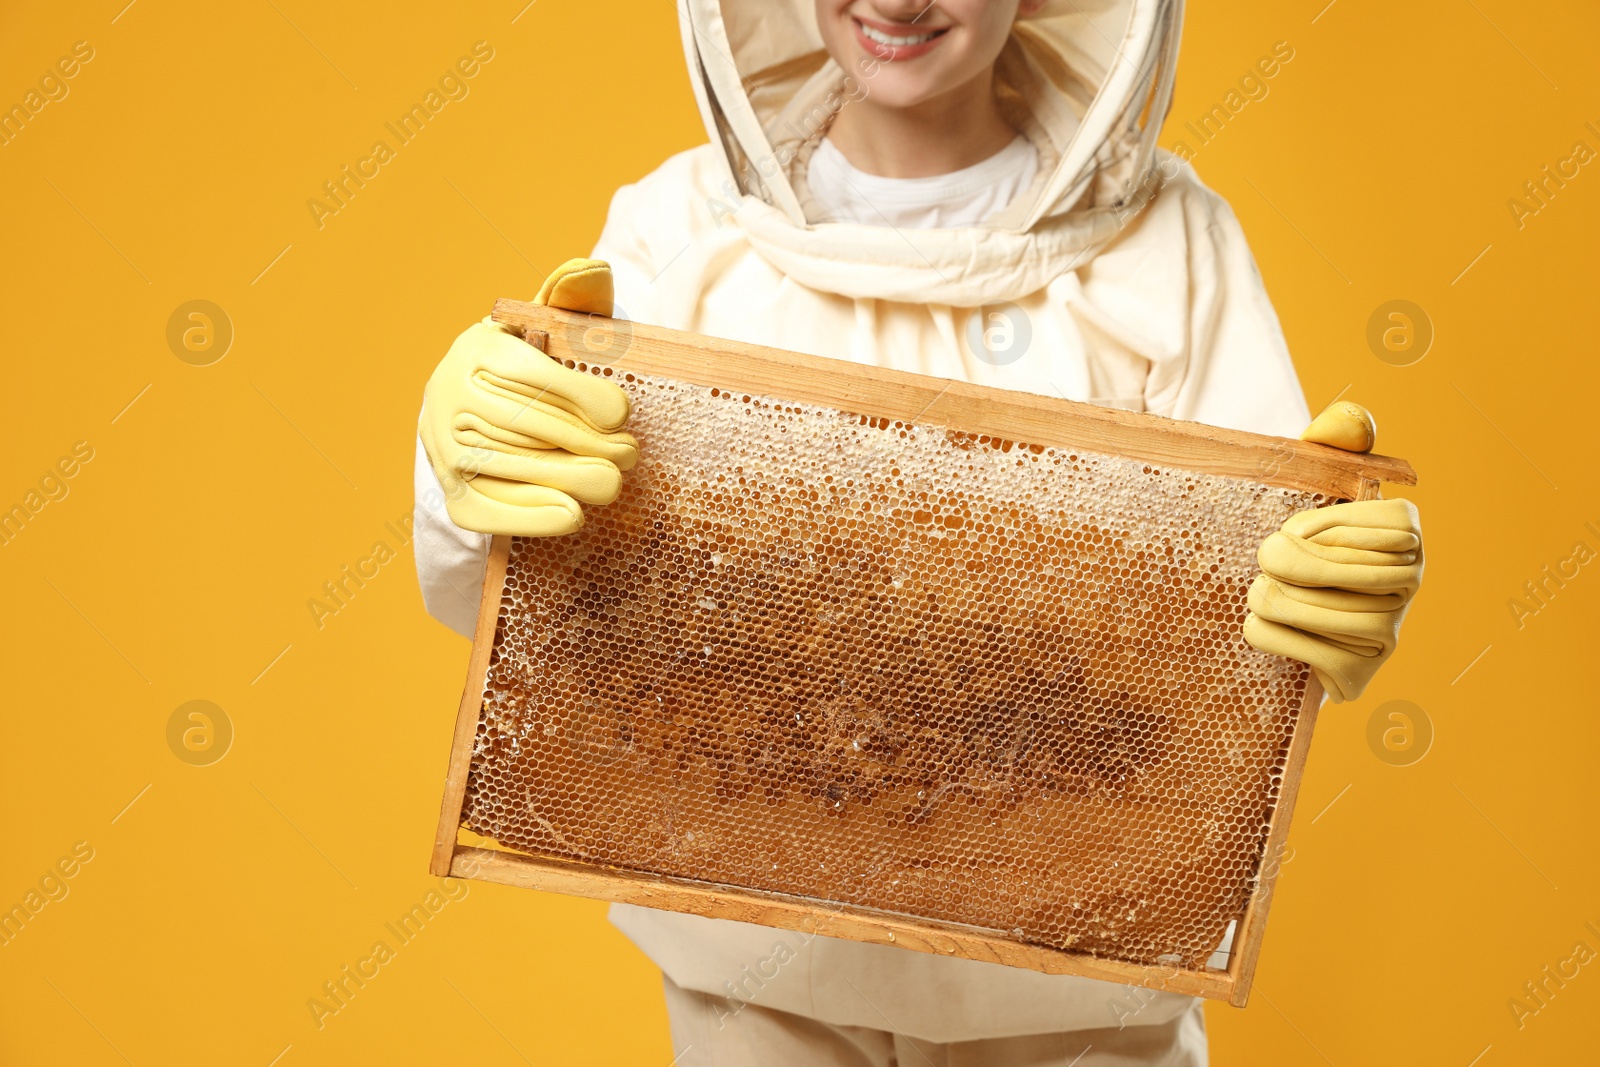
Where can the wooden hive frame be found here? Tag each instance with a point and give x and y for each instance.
(929, 401)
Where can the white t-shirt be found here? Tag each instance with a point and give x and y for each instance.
(842, 193)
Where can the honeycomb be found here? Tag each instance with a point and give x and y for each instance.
(901, 668)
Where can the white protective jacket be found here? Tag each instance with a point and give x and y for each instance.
(1118, 278)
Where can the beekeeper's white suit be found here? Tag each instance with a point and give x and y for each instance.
(1136, 290)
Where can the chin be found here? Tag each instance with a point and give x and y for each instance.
(903, 88)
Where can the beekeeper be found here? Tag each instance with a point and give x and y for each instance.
(963, 188)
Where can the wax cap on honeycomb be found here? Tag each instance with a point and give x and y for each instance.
(894, 667)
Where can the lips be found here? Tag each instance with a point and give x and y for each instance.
(891, 43)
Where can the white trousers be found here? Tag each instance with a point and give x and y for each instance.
(709, 1031)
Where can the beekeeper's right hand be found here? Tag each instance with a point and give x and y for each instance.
(518, 441)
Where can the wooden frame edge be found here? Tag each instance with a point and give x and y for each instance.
(1252, 928)
(802, 916)
(880, 392)
(471, 707)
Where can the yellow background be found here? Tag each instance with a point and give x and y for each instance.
(179, 565)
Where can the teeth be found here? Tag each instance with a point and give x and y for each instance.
(895, 42)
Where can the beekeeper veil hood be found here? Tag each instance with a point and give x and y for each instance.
(1087, 81)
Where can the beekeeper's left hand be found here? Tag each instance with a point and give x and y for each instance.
(1335, 582)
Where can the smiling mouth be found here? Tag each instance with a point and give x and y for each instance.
(896, 45)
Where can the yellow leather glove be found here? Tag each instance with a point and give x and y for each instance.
(518, 441)
(1335, 582)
